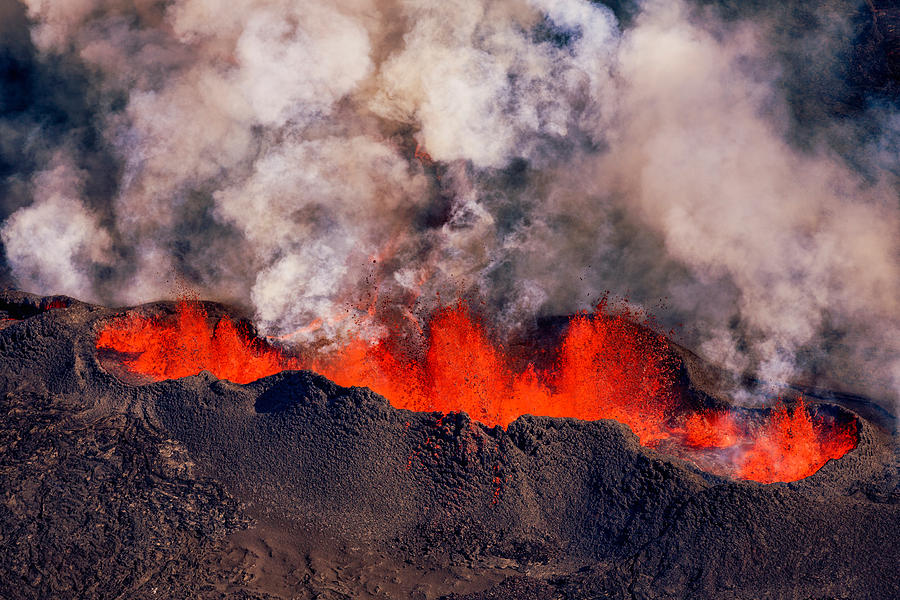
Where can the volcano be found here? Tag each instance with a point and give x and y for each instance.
(355, 299)
(284, 484)
(604, 365)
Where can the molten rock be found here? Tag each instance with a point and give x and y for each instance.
(605, 366)
(122, 481)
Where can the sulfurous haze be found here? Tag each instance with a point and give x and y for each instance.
(735, 161)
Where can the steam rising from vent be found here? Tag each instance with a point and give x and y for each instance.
(308, 159)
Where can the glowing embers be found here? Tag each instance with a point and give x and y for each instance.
(604, 367)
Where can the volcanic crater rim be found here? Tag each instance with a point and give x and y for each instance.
(200, 323)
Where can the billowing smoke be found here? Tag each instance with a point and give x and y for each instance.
(303, 158)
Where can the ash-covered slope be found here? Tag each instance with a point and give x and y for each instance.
(294, 487)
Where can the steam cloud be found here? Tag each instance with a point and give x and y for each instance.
(267, 153)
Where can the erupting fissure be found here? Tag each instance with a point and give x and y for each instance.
(606, 367)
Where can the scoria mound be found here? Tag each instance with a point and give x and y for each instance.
(294, 487)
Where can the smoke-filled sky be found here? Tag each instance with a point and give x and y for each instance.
(732, 166)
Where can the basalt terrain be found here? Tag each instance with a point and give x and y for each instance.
(294, 487)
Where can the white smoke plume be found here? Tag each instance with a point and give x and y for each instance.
(56, 242)
(295, 156)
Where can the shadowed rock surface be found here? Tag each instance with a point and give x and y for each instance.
(293, 487)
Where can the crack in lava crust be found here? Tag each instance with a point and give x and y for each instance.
(606, 367)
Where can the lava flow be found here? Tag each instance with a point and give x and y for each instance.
(605, 367)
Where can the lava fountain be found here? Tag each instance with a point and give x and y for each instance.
(605, 367)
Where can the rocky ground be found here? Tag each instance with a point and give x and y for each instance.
(293, 487)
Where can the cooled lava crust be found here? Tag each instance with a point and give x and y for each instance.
(294, 487)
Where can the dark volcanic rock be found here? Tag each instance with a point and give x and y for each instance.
(295, 487)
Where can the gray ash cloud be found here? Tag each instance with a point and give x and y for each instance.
(737, 159)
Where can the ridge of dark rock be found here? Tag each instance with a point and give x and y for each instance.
(292, 486)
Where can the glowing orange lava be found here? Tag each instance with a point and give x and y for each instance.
(189, 345)
(791, 446)
(711, 430)
(605, 367)
(608, 368)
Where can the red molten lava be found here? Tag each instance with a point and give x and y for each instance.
(605, 367)
(189, 345)
(791, 446)
(53, 304)
(711, 430)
